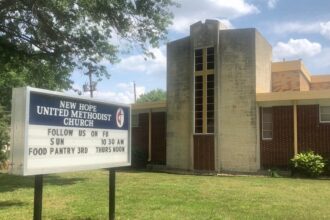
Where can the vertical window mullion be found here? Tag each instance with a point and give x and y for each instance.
(204, 90)
(267, 123)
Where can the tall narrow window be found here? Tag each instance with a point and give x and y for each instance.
(210, 103)
(324, 113)
(267, 123)
(199, 60)
(210, 58)
(204, 90)
(199, 104)
(135, 120)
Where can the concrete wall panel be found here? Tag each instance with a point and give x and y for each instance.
(237, 134)
(263, 64)
(179, 104)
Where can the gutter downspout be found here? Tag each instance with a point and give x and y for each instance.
(295, 128)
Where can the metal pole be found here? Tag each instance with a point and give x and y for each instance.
(134, 92)
(112, 196)
(90, 83)
(38, 185)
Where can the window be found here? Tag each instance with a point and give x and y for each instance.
(204, 90)
(267, 123)
(210, 58)
(198, 104)
(324, 113)
(135, 120)
(210, 103)
(199, 60)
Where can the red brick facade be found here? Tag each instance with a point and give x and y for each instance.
(139, 143)
(312, 135)
(158, 138)
(278, 151)
(140, 140)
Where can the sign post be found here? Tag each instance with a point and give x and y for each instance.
(112, 193)
(54, 132)
(38, 186)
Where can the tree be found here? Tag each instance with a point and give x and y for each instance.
(152, 96)
(45, 40)
(4, 134)
(41, 42)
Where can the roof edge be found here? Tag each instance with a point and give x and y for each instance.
(149, 105)
(293, 95)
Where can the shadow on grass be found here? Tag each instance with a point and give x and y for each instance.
(10, 203)
(10, 183)
(82, 218)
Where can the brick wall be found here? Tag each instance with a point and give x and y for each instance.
(304, 84)
(140, 140)
(158, 138)
(320, 86)
(312, 135)
(278, 151)
(285, 81)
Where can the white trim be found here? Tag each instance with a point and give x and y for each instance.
(262, 125)
(135, 123)
(48, 92)
(21, 167)
(320, 115)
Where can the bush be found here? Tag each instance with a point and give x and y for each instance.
(327, 168)
(4, 134)
(308, 164)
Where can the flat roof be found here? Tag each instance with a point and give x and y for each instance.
(293, 65)
(320, 78)
(149, 105)
(293, 95)
(298, 65)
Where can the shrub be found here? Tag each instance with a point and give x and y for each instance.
(4, 134)
(308, 164)
(327, 168)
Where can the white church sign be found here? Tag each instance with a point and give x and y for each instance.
(54, 132)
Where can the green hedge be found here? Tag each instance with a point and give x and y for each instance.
(308, 164)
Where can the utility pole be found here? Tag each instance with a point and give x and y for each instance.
(90, 84)
(134, 91)
(91, 87)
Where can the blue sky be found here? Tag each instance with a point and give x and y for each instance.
(297, 29)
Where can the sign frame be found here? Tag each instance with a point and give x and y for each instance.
(20, 128)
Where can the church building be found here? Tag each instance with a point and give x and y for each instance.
(230, 108)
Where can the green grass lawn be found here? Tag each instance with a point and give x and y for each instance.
(144, 195)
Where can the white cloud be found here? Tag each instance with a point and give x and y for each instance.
(227, 23)
(272, 4)
(318, 27)
(325, 29)
(194, 11)
(138, 63)
(296, 48)
(296, 27)
(320, 62)
(123, 93)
